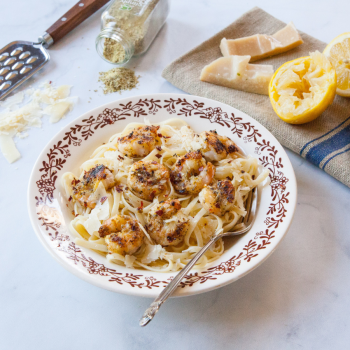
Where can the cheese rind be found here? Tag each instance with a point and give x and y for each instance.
(259, 46)
(235, 72)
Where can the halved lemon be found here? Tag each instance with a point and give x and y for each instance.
(300, 90)
(338, 52)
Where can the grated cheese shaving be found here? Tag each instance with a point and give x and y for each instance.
(152, 253)
(58, 110)
(8, 148)
(15, 119)
(22, 135)
(50, 95)
(189, 139)
(129, 260)
(92, 224)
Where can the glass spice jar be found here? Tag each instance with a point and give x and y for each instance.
(129, 27)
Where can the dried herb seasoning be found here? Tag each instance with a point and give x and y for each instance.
(118, 79)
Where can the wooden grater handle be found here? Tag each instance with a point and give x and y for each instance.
(71, 19)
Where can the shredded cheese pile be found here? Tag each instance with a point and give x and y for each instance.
(17, 116)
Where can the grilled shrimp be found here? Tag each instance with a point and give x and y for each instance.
(140, 142)
(191, 173)
(218, 198)
(83, 190)
(122, 234)
(216, 147)
(166, 223)
(148, 179)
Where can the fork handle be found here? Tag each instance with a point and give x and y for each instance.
(170, 288)
(71, 19)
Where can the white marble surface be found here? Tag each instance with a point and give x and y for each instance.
(299, 298)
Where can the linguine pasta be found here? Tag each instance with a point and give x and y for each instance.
(176, 139)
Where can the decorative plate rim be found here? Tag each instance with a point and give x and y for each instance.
(129, 283)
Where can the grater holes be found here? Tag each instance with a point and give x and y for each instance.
(18, 65)
(11, 75)
(5, 85)
(4, 71)
(16, 51)
(10, 61)
(25, 69)
(24, 55)
(31, 59)
(3, 56)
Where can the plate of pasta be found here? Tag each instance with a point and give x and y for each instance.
(127, 194)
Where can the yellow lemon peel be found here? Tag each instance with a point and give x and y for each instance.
(300, 90)
(338, 52)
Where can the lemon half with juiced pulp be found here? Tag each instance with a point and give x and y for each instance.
(300, 90)
(338, 52)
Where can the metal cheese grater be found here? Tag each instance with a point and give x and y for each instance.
(19, 60)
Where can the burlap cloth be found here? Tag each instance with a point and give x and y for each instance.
(325, 141)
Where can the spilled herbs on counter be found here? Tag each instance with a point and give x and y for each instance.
(118, 79)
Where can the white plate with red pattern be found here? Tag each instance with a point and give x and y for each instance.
(75, 142)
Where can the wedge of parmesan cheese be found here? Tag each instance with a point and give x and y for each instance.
(235, 72)
(260, 45)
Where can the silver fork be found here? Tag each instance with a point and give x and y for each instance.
(251, 205)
